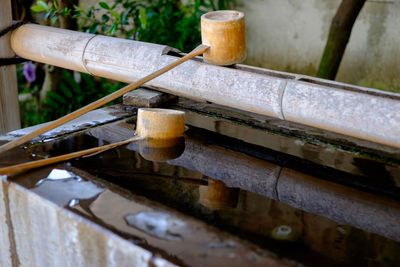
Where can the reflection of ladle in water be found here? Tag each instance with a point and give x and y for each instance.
(163, 129)
(218, 196)
(154, 124)
(160, 149)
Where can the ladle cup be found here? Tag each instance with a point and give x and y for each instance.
(159, 125)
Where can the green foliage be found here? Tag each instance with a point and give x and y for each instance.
(69, 96)
(171, 22)
(51, 10)
(72, 95)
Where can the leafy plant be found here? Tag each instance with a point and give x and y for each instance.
(73, 93)
(169, 22)
(51, 10)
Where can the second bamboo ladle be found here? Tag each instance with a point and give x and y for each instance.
(223, 31)
(156, 124)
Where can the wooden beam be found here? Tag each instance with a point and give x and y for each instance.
(9, 107)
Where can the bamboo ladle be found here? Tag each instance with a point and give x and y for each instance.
(224, 43)
(223, 31)
(102, 101)
(153, 124)
(19, 168)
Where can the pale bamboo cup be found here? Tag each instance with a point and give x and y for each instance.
(161, 125)
(158, 123)
(163, 130)
(225, 32)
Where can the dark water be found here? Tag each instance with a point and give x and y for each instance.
(230, 185)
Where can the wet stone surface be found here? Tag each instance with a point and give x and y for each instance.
(187, 188)
(170, 200)
(329, 149)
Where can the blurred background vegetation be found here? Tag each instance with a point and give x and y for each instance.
(47, 92)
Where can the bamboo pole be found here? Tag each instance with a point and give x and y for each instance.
(197, 51)
(19, 168)
(350, 110)
(9, 106)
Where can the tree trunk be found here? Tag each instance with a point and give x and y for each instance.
(53, 74)
(21, 10)
(67, 22)
(339, 35)
(9, 108)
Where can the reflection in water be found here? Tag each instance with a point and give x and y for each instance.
(57, 174)
(62, 187)
(161, 149)
(249, 215)
(216, 195)
(177, 238)
(284, 233)
(180, 184)
(157, 223)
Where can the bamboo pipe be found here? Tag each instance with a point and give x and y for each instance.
(359, 112)
(102, 101)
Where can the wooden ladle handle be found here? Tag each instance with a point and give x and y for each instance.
(19, 168)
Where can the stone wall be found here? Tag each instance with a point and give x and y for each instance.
(290, 35)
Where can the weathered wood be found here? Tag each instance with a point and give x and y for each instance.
(9, 107)
(339, 35)
(146, 98)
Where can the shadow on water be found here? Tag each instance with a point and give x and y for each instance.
(227, 184)
(240, 208)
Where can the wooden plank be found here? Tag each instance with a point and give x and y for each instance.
(9, 107)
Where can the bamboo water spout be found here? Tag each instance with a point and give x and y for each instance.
(359, 112)
(220, 48)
